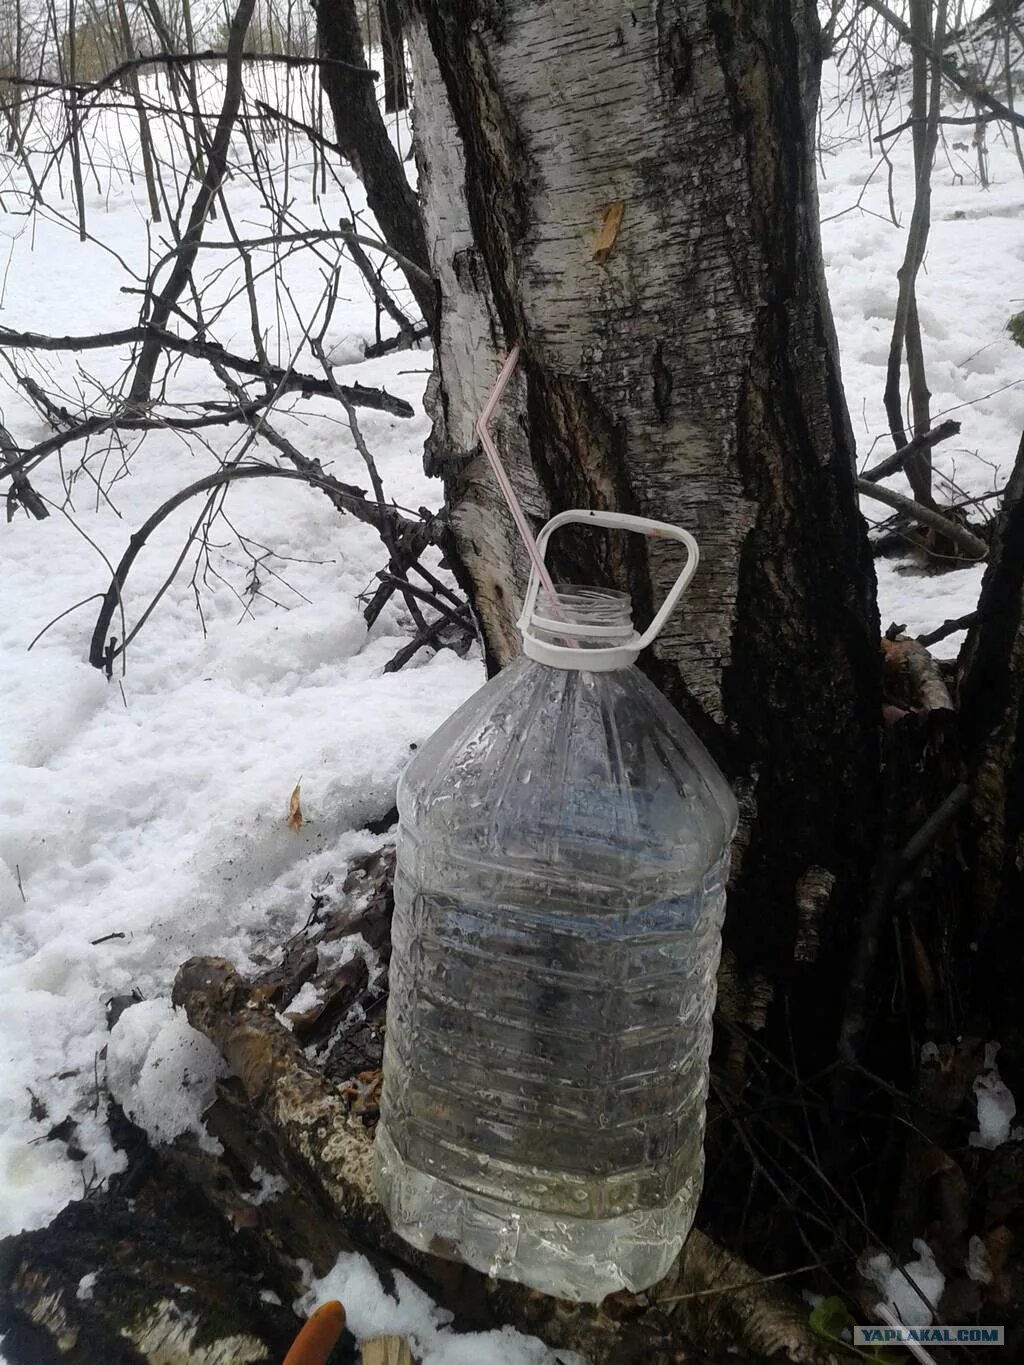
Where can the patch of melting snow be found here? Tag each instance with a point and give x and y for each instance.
(902, 1287)
(371, 1312)
(163, 1073)
(996, 1106)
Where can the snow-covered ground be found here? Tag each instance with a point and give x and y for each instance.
(151, 811)
(966, 294)
(144, 820)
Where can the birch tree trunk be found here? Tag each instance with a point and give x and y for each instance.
(686, 370)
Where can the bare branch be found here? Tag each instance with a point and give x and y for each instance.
(972, 545)
(100, 655)
(290, 380)
(969, 120)
(180, 59)
(949, 627)
(925, 441)
(948, 68)
(213, 176)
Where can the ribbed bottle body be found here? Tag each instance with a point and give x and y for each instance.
(560, 890)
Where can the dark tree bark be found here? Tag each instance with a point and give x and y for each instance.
(690, 373)
(396, 90)
(363, 138)
(992, 707)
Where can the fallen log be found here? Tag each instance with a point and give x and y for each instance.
(195, 1256)
(312, 1121)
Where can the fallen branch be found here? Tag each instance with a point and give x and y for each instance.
(428, 635)
(333, 1148)
(973, 546)
(288, 380)
(452, 617)
(349, 498)
(912, 671)
(949, 627)
(898, 458)
(21, 492)
(404, 341)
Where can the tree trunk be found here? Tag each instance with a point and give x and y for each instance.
(992, 707)
(396, 93)
(687, 371)
(363, 138)
(145, 134)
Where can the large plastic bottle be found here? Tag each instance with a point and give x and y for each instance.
(562, 857)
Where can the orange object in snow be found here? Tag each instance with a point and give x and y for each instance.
(319, 1337)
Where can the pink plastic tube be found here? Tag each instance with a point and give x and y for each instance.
(508, 492)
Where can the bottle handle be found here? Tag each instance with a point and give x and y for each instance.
(613, 521)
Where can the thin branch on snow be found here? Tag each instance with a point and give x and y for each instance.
(972, 545)
(100, 654)
(898, 458)
(969, 120)
(293, 380)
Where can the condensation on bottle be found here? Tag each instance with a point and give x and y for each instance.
(563, 851)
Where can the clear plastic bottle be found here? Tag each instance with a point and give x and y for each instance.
(562, 858)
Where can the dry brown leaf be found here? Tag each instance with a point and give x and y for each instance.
(295, 819)
(609, 231)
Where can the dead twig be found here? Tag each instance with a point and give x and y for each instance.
(973, 546)
(101, 654)
(898, 458)
(949, 627)
(888, 883)
(429, 635)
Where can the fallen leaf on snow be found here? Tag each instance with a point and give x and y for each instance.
(295, 819)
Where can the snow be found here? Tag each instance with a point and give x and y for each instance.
(154, 807)
(901, 1287)
(86, 1285)
(307, 998)
(269, 1186)
(996, 1106)
(371, 1311)
(163, 1072)
(974, 369)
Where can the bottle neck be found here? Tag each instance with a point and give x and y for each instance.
(581, 628)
